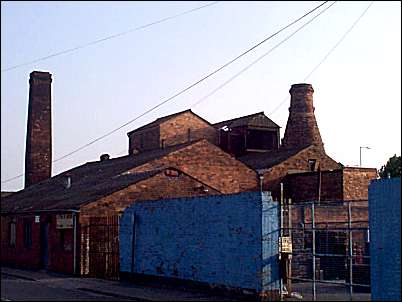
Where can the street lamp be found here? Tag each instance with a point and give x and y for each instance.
(361, 154)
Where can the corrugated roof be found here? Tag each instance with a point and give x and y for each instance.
(258, 119)
(89, 182)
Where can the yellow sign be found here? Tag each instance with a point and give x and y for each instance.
(64, 221)
(285, 245)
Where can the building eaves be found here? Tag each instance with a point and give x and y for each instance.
(89, 182)
(255, 119)
(268, 159)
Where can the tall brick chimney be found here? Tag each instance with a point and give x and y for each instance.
(38, 152)
(301, 128)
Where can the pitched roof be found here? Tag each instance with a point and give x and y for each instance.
(268, 159)
(258, 119)
(160, 120)
(89, 182)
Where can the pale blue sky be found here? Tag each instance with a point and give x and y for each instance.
(99, 88)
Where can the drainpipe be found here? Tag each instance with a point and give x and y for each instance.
(319, 186)
(261, 177)
(75, 243)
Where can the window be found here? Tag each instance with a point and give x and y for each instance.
(27, 234)
(12, 233)
(142, 140)
(311, 164)
(261, 139)
(163, 144)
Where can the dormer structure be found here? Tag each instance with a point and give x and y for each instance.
(248, 134)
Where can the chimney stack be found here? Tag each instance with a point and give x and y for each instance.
(38, 152)
(301, 128)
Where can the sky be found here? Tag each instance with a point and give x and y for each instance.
(98, 88)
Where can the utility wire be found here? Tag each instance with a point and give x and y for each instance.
(260, 58)
(109, 37)
(189, 87)
(182, 91)
(327, 55)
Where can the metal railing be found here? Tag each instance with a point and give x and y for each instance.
(329, 257)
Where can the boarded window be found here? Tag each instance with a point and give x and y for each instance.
(27, 234)
(12, 233)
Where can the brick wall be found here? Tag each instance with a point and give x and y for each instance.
(157, 187)
(385, 239)
(356, 182)
(343, 184)
(299, 162)
(38, 155)
(228, 240)
(305, 186)
(175, 131)
(147, 139)
(179, 129)
(59, 258)
(209, 164)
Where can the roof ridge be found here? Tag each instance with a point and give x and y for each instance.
(236, 118)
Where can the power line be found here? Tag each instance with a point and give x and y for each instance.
(189, 87)
(109, 37)
(327, 55)
(260, 58)
(184, 90)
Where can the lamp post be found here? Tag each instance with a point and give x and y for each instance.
(361, 154)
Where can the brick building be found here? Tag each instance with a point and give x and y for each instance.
(105, 188)
(179, 155)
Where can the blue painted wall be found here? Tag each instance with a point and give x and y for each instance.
(385, 239)
(228, 240)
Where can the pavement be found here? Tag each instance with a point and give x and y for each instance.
(123, 290)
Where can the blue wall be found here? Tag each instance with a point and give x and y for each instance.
(385, 239)
(228, 240)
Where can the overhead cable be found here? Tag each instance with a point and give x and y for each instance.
(108, 38)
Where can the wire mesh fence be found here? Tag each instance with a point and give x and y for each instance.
(329, 257)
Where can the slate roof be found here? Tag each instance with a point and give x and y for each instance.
(258, 119)
(89, 182)
(268, 159)
(160, 120)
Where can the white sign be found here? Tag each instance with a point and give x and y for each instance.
(37, 219)
(64, 221)
(285, 245)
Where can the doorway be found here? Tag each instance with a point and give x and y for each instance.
(44, 247)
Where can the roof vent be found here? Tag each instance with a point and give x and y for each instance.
(104, 157)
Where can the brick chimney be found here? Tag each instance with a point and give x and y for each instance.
(301, 128)
(38, 152)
